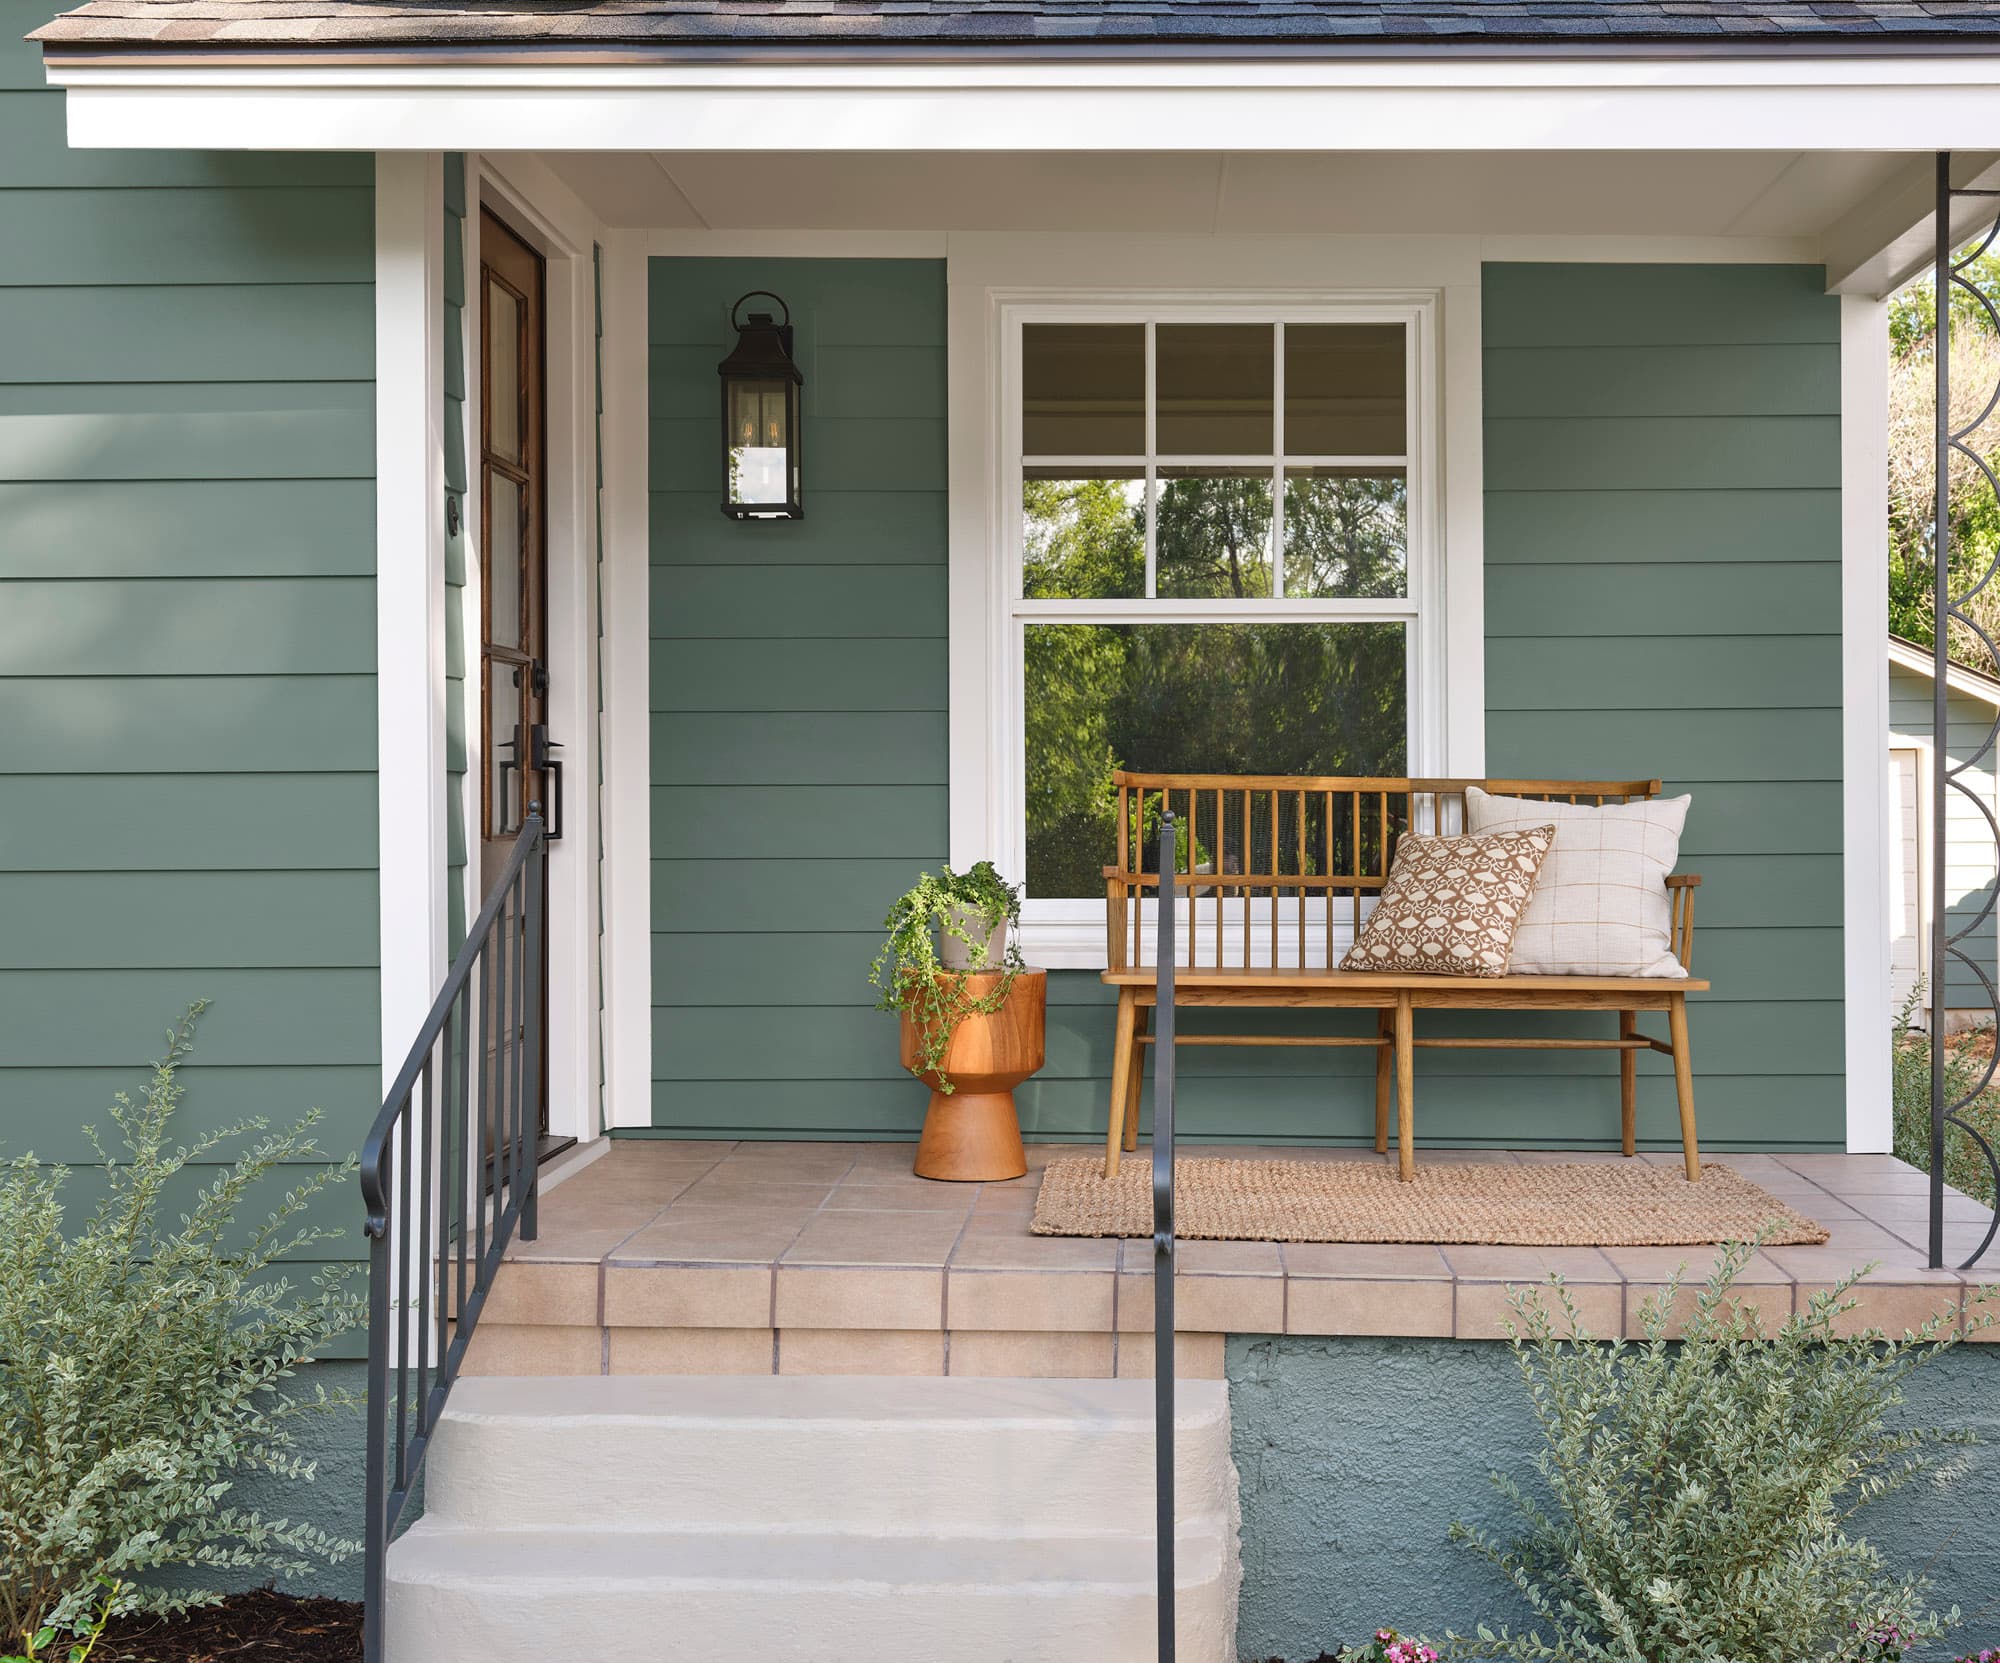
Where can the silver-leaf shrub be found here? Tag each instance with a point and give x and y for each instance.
(144, 1356)
(1694, 1497)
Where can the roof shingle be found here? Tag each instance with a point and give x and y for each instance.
(1499, 24)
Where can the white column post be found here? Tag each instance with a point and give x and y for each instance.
(627, 721)
(409, 589)
(1864, 625)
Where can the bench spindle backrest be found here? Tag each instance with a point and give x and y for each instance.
(1292, 858)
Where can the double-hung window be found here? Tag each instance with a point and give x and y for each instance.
(1215, 537)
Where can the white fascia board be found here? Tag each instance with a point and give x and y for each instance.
(1918, 661)
(1885, 240)
(1119, 104)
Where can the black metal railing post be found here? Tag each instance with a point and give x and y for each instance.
(1163, 1238)
(1948, 278)
(1940, 696)
(448, 1180)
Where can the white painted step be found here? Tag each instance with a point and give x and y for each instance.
(622, 1596)
(825, 1453)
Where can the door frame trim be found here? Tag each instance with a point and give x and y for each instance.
(413, 718)
(552, 220)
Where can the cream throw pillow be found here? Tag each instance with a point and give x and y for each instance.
(1451, 905)
(1600, 904)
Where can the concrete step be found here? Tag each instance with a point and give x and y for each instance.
(621, 1596)
(836, 1453)
(843, 1519)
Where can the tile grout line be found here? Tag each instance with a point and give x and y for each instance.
(944, 1275)
(778, 1258)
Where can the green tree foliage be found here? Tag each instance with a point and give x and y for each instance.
(1975, 512)
(1307, 698)
(1694, 1500)
(144, 1357)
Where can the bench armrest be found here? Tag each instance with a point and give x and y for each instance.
(1680, 898)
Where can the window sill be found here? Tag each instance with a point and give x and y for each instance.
(1064, 943)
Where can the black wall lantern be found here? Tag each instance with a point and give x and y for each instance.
(761, 430)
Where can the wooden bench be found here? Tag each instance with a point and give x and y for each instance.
(1269, 866)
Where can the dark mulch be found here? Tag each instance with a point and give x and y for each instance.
(263, 1627)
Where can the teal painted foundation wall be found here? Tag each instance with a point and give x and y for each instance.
(1663, 598)
(187, 626)
(1356, 1455)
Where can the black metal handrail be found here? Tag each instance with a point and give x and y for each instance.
(447, 1177)
(1163, 1246)
(1947, 945)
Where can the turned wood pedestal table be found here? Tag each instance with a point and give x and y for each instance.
(971, 1133)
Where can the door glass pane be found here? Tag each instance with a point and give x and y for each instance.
(1347, 533)
(1214, 386)
(503, 371)
(1194, 698)
(1083, 539)
(1345, 392)
(505, 568)
(1215, 535)
(504, 717)
(1083, 389)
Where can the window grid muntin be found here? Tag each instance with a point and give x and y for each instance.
(1277, 462)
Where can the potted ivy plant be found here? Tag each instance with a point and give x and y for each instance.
(972, 1016)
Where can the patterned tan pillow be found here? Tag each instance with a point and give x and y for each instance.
(1451, 905)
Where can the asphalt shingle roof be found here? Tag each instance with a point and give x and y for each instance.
(1601, 24)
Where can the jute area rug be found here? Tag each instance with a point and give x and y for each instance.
(1586, 1204)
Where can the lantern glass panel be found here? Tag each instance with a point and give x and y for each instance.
(759, 441)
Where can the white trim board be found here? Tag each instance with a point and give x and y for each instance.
(995, 282)
(627, 720)
(409, 593)
(1906, 655)
(1864, 622)
(192, 100)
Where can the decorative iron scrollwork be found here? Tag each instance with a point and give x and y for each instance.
(1947, 944)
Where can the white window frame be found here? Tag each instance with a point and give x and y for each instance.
(1069, 933)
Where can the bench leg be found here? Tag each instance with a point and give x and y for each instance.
(1385, 1070)
(1677, 1029)
(1406, 1093)
(1142, 1025)
(1121, 1064)
(1628, 1083)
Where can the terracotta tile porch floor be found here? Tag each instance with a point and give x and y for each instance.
(668, 1257)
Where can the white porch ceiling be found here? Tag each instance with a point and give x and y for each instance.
(1749, 194)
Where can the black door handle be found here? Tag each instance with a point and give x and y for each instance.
(541, 747)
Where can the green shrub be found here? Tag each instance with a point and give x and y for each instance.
(1965, 1168)
(142, 1362)
(1693, 1498)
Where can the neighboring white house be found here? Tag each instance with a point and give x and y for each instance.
(1970, 866)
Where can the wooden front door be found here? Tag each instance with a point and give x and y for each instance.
(513, 556)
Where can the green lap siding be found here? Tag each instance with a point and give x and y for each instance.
(1662, 597)
(187, 627)
(798, 701)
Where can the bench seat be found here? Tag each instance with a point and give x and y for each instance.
(1340, 835)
